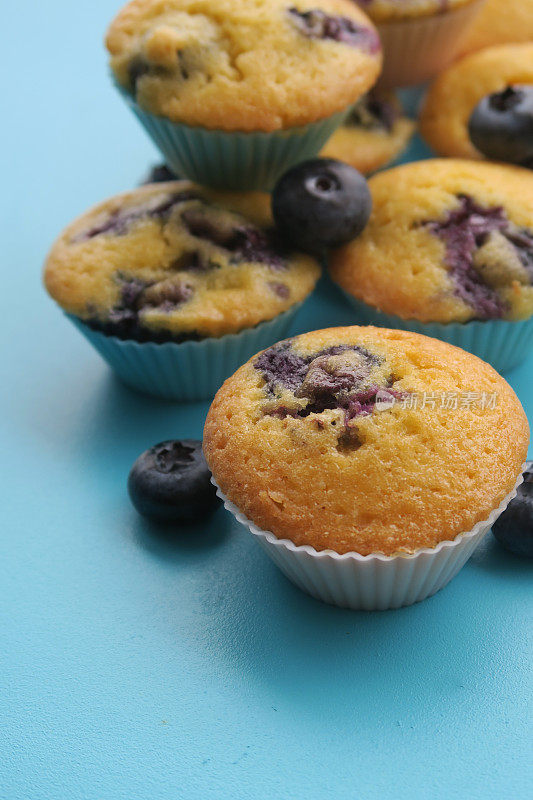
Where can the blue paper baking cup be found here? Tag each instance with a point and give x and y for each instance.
(233, 160)
(192, 370)
(502, 343)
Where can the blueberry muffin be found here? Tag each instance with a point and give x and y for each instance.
(318, 440)
(453, 96)
(242, 66)
(374, 133)
(174, 261)
(386, 10)
(419, 37)
(447, 241)
(500, 22)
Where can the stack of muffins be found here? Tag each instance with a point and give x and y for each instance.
(316, 443)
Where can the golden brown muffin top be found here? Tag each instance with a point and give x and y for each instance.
(366, 439)
(499, 22)
(447, 241)
(173, 260)
(375, 132)
(248, 65)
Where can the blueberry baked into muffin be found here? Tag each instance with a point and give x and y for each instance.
(453, 97)
(174, 261)
(317, 441)
(375, 132)
(241, 66)
(447, 241)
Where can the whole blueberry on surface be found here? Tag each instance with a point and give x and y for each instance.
(159, 174)
(501, 125)
(514, 529)
(171, 482)
(321, 203)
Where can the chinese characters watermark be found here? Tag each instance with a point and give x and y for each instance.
(448, 401)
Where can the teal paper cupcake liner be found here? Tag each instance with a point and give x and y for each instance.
(233, 160)
(502, 343)
(192, 370)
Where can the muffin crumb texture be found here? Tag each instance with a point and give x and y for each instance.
(447, 241)
(174, 261)
(318, 440)
(374, 132)
(500, 22)
(245, 65)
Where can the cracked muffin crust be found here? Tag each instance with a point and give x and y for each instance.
(172, 261)
(456, 92)
(247, 65)
(374, 132)
(447, 241)
(305, 440)
(500, 22)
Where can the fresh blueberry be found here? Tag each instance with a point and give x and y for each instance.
(171, 482)
(321, 203)
(501, 125)
(514, 529)
(159, 174)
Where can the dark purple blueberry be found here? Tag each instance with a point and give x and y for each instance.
(119, 222)
(326, 381)
(314, 377)
(125, 319)
(316, 24)
(163, 209)
(281, 366)
(246, 242)
(116, 224)
(159, 174)
(324, 384)
(373, 112)
(126, 325)
(522, 240)
(171, 482)
(200, 224)
(262, 247)
(166, 295)
(501, 125)
(193, 261)
(321, 203)
(131, 291)
(514, 529)
(137, 67)
(463, 231)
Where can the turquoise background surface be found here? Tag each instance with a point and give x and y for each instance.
(138, 665)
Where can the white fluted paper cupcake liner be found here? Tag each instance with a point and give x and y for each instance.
(502, 343)
(417, 49)
(191, 370)
(376, 582)
(233, 160)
